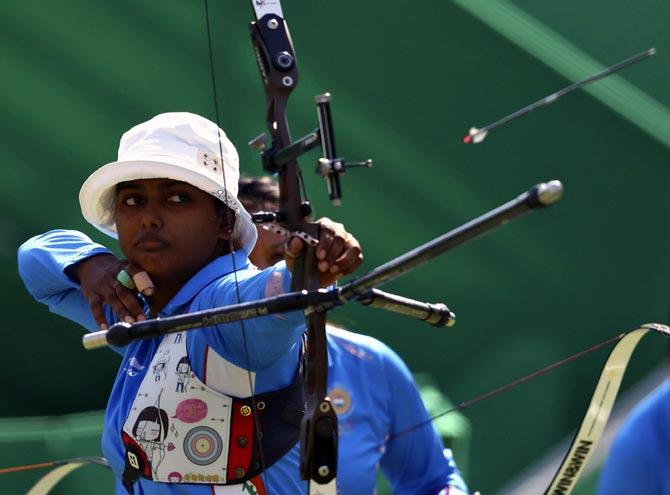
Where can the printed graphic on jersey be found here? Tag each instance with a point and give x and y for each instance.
(177, 427)
(202, 445)
(134, 367)
(191, 410)
(159, 365)
(149, 431)
(183, 373)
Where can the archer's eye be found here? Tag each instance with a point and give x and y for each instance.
(131, 200)
(178, 198)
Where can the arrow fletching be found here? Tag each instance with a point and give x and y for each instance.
(475, 135)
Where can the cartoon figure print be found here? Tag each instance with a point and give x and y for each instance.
(183, 373)
(160, 366)
(150, 431)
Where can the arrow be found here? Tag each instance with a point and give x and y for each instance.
(477, 135)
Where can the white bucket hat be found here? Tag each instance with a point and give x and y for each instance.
(180, 146)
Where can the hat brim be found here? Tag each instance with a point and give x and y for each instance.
(98, 193)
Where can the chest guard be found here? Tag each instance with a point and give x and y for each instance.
(179, 430)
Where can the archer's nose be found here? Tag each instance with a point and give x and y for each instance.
(152, 217)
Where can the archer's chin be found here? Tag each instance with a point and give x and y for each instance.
(153, 262)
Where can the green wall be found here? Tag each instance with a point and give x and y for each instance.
(407, 80)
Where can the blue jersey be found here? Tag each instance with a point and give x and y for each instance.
(371, 388)
(638, 460)
(376, 399)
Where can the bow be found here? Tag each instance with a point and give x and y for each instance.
(279, 72)
(278, 68)
(259, 2)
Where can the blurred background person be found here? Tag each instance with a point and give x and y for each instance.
(372, 390)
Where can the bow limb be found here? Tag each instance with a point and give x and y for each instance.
(598, 412)
(61, 469)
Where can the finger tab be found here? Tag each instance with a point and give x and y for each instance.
(144, 283)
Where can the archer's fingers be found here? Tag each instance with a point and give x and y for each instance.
(325, 241)
(334, 251)
(140, 279)
(129, 304)
(124, 303)
(329, 232)
(348, 255)
(121, 300)
(293, 247)
(95, 304)
(349, 261)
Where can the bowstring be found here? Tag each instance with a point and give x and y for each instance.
(231, 245)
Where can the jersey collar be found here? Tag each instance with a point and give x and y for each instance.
(216, 269)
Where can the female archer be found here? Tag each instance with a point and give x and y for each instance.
(170, 199)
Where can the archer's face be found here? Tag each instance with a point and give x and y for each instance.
(169, 228)
(149, 430)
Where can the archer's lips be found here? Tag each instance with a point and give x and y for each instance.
(151, 243)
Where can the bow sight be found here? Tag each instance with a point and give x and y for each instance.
(329, 166)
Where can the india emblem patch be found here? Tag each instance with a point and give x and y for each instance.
(340, 399)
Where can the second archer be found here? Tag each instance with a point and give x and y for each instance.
(373, 393)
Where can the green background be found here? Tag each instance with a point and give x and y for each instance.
(408, 80)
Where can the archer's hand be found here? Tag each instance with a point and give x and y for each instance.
(338, 252)
(97, 278)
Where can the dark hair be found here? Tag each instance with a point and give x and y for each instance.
(258, 193)
(155, 415)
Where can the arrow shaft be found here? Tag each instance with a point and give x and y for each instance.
(547, 100)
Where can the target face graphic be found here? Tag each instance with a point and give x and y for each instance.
(202, 445)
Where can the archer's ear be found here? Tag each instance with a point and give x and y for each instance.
(226, 222)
